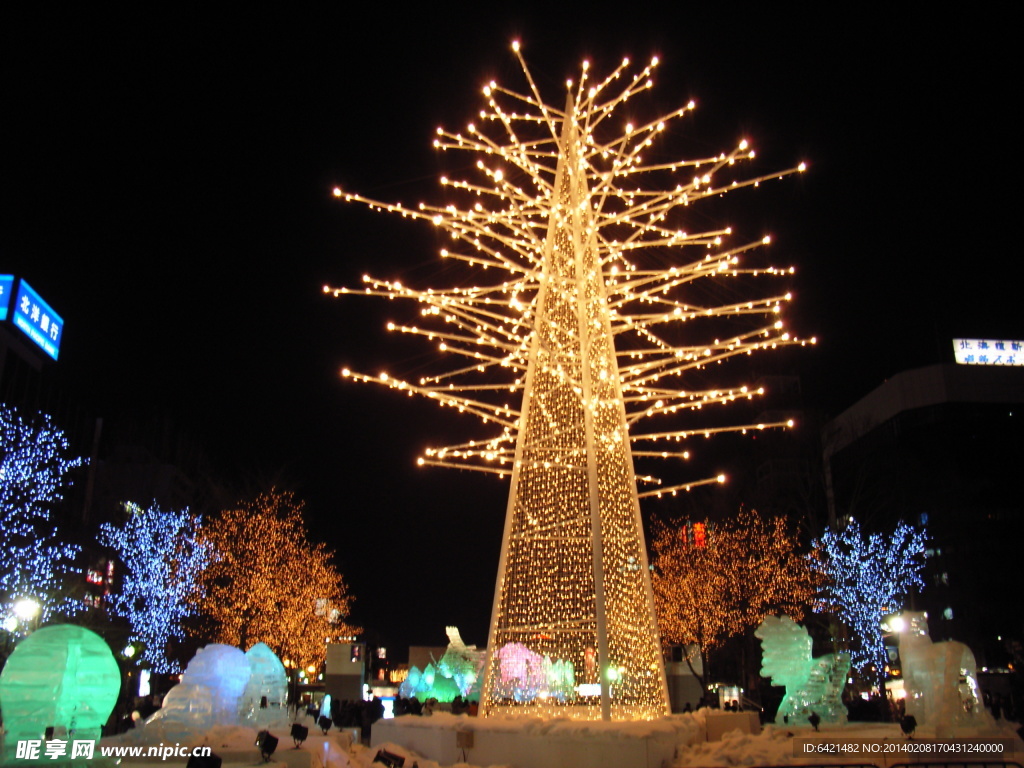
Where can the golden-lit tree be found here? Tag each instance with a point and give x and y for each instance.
(268, 583)
(714, 581)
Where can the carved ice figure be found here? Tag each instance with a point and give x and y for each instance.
(411, 684)
(561, 679)
(62, 676)
(267, 678)
(188, 704)
(462, 663)
(812, 685)
(210, 690)
(522, 673)
(940, 679)
(225, 670)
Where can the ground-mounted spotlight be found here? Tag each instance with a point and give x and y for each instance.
(325, 723)
(267, 744)
(299, 734)
(205, 761)
(389, 759)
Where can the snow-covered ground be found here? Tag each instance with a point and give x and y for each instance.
(773, 746)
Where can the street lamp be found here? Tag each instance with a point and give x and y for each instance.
(26, 609)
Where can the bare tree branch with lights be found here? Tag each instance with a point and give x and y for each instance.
(585, 325)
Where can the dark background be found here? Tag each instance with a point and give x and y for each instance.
(166, 187)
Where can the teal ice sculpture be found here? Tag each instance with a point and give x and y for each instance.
(462, 663)
(813, 685)
(457, 673)
(267, 678)
(62, 676)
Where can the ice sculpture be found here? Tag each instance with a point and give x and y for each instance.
(521, 673)
(462, 663)
(62, 676)
(940, 679)
(210, 691)
(268, 679)
(188, 704)
(812, 685)
(225, 671)
(456, 674)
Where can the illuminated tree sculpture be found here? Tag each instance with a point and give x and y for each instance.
(712, 582)
(868, 576)
(587, 287)
(268, 584)
(34, 473)
(164, 558)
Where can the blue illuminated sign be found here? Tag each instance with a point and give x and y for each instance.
(6, 288)
(37, 320)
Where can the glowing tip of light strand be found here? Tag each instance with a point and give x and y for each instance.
(586, 65)
(515, 45)
(743, 144)
(790, 423)
(802, 167)
(337, 191)
(720, 478)
(345, 372)
(766, 239)
(654, 61)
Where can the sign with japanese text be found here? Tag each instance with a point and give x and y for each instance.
(6, 288)
(37, 320)
(988, 352)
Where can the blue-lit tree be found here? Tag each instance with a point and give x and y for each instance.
(163, 556)
(35, 463)
(868, 576)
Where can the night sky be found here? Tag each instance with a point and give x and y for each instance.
(167, 181)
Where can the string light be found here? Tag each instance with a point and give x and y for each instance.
(267, 583)
(714, 581)
(34, 473)
(870, 575)
(585, 323)
(164, 556)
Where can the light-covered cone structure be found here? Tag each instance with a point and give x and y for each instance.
(586, 275)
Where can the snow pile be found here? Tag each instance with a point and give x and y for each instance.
(771, 747)
(686, 729)
(228, 737)
(362, 757)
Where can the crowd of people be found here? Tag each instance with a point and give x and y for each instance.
(413, 706)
